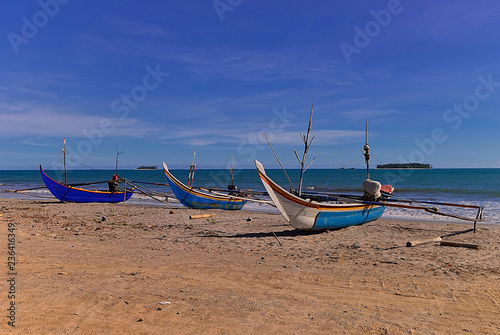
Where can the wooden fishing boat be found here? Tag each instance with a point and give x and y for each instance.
(307, 211)
(190, 197)
(321, 211)
(308, 214)
(70, 193)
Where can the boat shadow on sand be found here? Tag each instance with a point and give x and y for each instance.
(284, 233)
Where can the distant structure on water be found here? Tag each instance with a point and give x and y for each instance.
(404, 166)
(142, 167)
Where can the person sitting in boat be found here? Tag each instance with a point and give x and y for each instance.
(113, 184)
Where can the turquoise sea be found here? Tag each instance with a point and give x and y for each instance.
(464, 186)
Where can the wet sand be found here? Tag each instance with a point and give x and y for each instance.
(132, 269)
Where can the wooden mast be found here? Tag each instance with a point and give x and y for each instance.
(64, 152)
(307, 145)
(366, 152)
(231, 186)
(192, 167)
(232, 171)
(64, 162)
(116, 162)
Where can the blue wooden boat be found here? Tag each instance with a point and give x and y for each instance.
(308, 214)
(70, 193)
(192, 198)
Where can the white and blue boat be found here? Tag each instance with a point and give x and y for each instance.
(307, 214)
(322, 211)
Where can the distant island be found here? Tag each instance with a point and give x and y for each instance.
(154, 167)
(404, 166)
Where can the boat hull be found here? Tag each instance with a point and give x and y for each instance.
(74, 194)
(189, 197)
(307, 214)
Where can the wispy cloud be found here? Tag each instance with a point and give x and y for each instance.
(252, 65)
(45, 122)
(367, 114)
(200, 136)
(452, 21)
(138, 28)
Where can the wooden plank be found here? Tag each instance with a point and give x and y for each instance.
(201, 216)
(419, 242)
(459, 244)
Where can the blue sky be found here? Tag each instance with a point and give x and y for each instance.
(160, 78)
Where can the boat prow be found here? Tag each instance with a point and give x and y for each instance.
(308, 214)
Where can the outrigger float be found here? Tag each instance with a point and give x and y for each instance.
(321, 211)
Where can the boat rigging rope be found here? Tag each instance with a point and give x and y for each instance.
(337, 170)
(80, 163)
(139, 189)
(330, 148)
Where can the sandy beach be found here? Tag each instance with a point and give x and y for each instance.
(132, 269)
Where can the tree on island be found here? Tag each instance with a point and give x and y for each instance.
(404, 166)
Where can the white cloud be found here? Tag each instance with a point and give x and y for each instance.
(199, 136)
(44, 122)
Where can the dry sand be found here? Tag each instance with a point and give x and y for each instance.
(130, 269)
